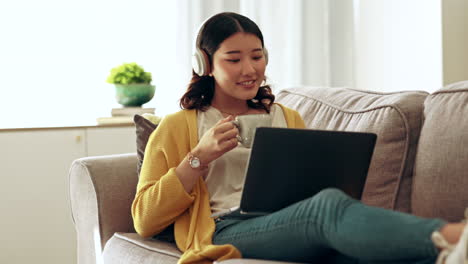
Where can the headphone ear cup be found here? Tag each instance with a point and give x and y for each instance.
(265, 53)
(200, 63)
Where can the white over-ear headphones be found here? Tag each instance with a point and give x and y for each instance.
(200, 61)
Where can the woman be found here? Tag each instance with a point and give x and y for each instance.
(194, 166)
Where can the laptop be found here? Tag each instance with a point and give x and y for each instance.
(288, 165)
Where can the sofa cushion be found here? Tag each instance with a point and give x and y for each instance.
(252, 261)
(131, 248)
(441, 169)
(395, 118)
(144, 128)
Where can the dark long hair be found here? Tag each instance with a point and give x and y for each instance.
(213, 32)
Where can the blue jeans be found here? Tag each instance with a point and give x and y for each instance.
(331, 227)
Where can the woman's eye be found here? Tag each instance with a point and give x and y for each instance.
(257, 57)
(234, 60)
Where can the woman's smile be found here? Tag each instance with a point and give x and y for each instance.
(247, 84)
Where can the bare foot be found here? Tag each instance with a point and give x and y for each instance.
(452, 232)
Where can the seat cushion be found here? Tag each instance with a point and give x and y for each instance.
(396, 119)
(131, 248)
(252, 261)
(441, 169)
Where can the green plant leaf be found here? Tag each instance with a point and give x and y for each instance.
(129, 73)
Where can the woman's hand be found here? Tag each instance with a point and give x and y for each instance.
(219, 139)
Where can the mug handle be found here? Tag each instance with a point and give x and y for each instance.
(236, 123)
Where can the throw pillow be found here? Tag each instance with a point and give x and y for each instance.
(144, 128)
(395, 117)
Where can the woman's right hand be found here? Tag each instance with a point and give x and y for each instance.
(219, 139)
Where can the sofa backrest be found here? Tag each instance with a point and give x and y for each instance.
(441, 169)
(396, 119)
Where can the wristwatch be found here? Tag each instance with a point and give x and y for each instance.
(193, 161)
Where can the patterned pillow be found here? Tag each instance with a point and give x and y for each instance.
(144, 128)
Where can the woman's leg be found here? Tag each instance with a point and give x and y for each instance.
(329, 221)
(342, 259)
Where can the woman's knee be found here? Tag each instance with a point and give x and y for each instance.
(325, 209)
(332, 197)
(323, 206)
(331, 193)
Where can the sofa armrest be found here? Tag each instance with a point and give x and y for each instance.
(101, 193)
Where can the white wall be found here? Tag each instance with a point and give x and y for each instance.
(455, 40)
(341, 39)
(55, 57)
(398, 45)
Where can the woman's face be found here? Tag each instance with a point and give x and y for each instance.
(238, 67)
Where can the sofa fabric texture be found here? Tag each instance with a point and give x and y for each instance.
(441, 170)
(396, 119)
(101, 192)
(131, 248)
(419, 166)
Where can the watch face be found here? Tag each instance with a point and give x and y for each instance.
(195, 162)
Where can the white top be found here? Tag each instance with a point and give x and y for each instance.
(226, 175)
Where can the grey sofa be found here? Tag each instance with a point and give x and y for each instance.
(420, 165)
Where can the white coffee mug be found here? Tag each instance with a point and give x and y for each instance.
(247, 124)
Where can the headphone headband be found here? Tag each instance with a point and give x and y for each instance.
(200, 61)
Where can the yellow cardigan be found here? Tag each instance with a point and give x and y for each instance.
(161, 199)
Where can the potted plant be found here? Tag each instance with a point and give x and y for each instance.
(132, 83)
